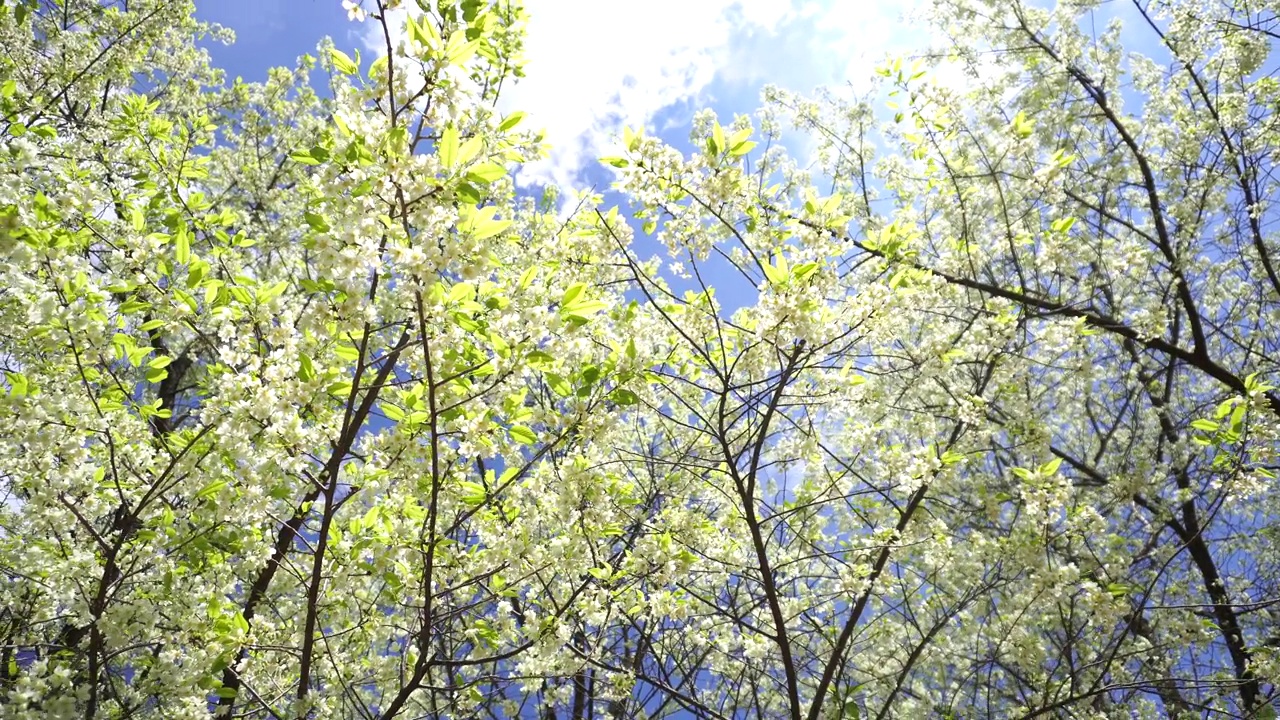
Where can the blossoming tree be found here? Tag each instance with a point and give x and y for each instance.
(292, 381)
(995, 439)
(308, 413)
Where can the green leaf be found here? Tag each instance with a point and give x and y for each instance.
(486, 173)
(1205, 425)
(1237, 418)
(195, 272)
(523, 435)
(240, 294)
(376, 70)
(468, 193)
(461, 291)
(526, 278)
(182, 246)
(447, 148)
(1118, 590)
(1224, 408)
(740, 143)
(1022, 126)
(459, 50)
(364, 188)
(572, 294)
(306, 369)
(343, 62)
(624, 397)
(1252, 384)
(272, 291)
(470, 149)
(511, 121)
(137, 219)
(137, 355)
(558, 385)
(482, 223)
(804, 271)
(316, 221)
(18, 384)
(211, 489)
(538, 358)
(474, 494)
(188, 300)
(582, 309)
(776, 274)
(397, 140)
(429, 40)
(133, 306)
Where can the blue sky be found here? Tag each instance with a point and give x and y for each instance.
(270, 33)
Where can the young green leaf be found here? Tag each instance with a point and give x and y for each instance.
(343, 62)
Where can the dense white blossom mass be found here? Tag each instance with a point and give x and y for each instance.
(307, 413)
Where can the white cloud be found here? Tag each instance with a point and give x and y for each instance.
(595, 66)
